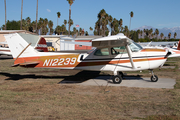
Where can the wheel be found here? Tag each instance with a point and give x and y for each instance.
(154, 79)
(117, 79)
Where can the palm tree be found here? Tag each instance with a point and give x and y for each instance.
(28, 22)
(5, 13)
(36, 17)
(157, 33)
(138, 32)
(150, 31)
(110, 21)
(120, 24)
(40, 24)
(58, 16)
(65, 22)
(21, 13)
(50, 25)
(91, 29)
(175, 34)
(126, 30)
(131, 15)
(70, 3)
(169, 35)
(161, 35)
(70, 23)
(33, 24)
(141, 32)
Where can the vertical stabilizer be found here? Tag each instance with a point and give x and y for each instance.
(17, 44)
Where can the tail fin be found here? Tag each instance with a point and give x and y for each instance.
(17, 44)
(41, 45)
(178, 47)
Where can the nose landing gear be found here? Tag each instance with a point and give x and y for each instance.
(154, 78)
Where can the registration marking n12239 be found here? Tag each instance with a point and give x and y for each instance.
(60, 62)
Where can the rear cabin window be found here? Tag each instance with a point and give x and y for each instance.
(102, 52)
(118, 50)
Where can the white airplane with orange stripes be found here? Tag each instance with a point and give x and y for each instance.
(115, 53)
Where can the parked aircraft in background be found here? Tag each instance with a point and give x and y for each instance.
(41, 46)
(113, 53)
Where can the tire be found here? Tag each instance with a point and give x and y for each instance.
(117, 79)
(154, 79)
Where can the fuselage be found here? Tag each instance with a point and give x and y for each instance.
(107, 60)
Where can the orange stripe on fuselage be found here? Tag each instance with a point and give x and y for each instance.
(153, 50)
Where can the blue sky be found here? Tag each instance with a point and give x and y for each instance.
(155, 13)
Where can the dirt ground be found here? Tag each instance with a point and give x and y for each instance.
(35, 94)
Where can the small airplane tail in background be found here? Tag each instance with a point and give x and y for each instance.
(18, 46)
(178, 47)
(41, 45)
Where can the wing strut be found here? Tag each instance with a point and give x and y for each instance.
(130, 57)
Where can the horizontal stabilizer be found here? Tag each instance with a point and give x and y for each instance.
(29, 64)
(26, 64)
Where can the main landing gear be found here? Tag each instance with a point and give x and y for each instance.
(117, 79)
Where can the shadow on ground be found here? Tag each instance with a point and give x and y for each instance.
(79, 77)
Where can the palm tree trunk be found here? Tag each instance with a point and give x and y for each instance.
(129, 27)
(69, 20)
(57, 21)
(5, 13)
(36, 16)
(21, 13)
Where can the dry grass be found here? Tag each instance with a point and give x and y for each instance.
(36, 94)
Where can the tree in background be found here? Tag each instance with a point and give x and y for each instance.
(109, 22)
(5, 14)
(91, 29)
(161, 35)
(157, 33)
(37, 17)
(169, 35)
(21, 13)
(65, 22)
(50, 25)
(70, 22)
(175, 34)
(70, 3)
(120, 25)
(131, 15)
(58, 16)
(13, 25)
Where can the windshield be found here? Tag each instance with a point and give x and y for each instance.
(135, 47)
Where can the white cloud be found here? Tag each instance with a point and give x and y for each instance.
(48, 10)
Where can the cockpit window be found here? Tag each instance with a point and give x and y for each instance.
(135, 47)
(102, 52)
(118, 50)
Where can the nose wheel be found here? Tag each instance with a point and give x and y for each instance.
(154, 78)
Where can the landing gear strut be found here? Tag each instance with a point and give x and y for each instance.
(154, 78)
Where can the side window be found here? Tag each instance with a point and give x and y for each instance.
(135, 47)
(102, 52)
(118, 50)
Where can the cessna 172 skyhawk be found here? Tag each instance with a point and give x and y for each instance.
(113, 53)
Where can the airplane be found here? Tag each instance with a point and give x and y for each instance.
(40, 46)
(116, 53)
